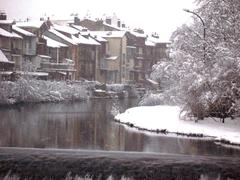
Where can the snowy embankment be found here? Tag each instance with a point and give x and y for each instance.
(167, 117)
(30, 90)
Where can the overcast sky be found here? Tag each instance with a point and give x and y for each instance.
(161, 16)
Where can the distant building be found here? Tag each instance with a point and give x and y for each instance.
(10, 43)
(97, 25)
(112, 67)
(161, 47)
(29, 43)
(137, 39)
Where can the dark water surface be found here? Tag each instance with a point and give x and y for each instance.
(89, 125)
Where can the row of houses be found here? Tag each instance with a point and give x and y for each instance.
(78, 49)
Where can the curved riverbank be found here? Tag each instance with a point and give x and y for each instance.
(166, 120)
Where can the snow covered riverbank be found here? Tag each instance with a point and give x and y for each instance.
(167, 117)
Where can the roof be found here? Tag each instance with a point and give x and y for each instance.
(149, 43)
(65, 29)
(6, 21)
(33, 24)
(152, 81)
(62, 36)
(137, 34)
(52, 43)
(3, 58)
(33, 73)
(157, 40)
(44, 56)
(108, 34)
(15, 35)
(80, 28)
(112, 58)
(99, 38)
(22, 31)
(82, 40)
(93, 41)
(132, 47)
(112, 26)
(24, 73)
(8, 34)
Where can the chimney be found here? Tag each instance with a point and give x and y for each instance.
(3, 16)
(155, 35)
(49, 23)
(119, 23)
(123, 25)
(109, 21)
(140, 31)
(76, 20)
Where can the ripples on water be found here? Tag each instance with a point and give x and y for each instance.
(89, 125)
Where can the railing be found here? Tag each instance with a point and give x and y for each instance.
(16, 51)
(110, 65)
(57, 66)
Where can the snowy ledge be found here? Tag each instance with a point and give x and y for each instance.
(166, 119)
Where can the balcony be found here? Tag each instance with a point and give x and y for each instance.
(109, 64)
(16, 51)
(52, 67)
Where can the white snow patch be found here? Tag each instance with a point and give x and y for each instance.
(54, 44)
(8, 34)
(22, 31)
(3, 58)
(167, 117)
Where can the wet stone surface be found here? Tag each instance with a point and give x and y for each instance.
(56, 164)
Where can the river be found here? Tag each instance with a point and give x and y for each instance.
(89, 126)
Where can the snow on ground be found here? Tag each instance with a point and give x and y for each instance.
(167, 117)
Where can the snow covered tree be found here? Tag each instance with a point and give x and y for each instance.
(203, 73)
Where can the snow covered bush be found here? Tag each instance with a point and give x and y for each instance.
(150, 99)
(129, 90)
(32, 90)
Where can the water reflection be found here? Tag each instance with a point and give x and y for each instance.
(89, 125)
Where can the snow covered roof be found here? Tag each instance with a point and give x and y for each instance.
(157, 40)
(62, 36)
(149, 43)
(8, 34)
(33, 73)
(34, 24)
(80, 28)
(152, 81)
(44, 56)
(93, 41)
(52, 43)
(132, 47)
(15, 35)
(137, 34)
(22, 31)
(82, 40)
(3, 58)
(65, 29)
(99, 38)
(69, 60)
(112, 26)
(110, 34)
(6, 21)
(112, 58)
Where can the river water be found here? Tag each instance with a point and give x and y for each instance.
(89, 125)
